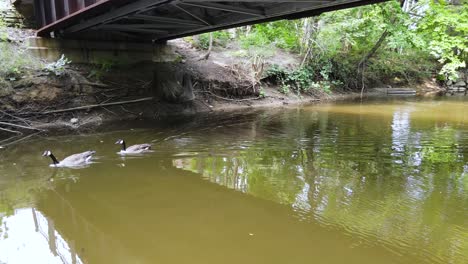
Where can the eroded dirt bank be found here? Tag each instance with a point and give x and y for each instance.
(73, 96)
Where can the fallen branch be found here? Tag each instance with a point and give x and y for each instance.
(8, 139)
(128, 111)
(101, 85)
(87, 107)
(109, 111)
(11, 131)
(229, 99)
(15, 117)
(20, 126)
(20, 139)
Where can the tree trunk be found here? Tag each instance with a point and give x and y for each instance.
(362, 64)
(210, 47)
(374, 48)
(310, 28)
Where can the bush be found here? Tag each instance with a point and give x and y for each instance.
(251, 52)
(300, 80)
(201, 41)
(282, 34)
(220, 38)
(386, 67)
(15, 60)
(410, 68)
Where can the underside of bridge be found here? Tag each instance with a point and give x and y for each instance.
(156, 20)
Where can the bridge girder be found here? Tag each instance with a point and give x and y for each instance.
(161, 20)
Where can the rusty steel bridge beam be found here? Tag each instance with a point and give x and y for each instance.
(161, 20)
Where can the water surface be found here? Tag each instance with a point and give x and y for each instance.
(378, 182)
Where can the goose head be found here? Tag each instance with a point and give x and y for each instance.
(48, 153)
(121, 142)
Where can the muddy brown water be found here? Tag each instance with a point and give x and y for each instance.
(377, 182)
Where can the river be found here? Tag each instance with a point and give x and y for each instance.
(383, 181)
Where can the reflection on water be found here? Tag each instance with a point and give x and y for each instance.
(30, 237)
(381, 182)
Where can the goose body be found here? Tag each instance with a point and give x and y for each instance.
(134, 149)
(75, 160)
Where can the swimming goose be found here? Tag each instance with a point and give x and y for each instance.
(135, 149)
(74, 160)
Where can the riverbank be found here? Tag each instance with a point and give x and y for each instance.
(36, 95)
(42, 96)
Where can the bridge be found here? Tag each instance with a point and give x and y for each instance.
(161, 20)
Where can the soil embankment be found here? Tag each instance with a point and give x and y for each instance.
(67, 95)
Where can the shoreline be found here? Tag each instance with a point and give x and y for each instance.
(83, 97)
(84, 119)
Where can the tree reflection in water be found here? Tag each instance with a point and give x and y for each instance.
(400, 180)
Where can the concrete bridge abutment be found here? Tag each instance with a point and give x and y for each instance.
(158, 64)
(96, 52)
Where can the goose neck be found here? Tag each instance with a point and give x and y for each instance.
(54, 159)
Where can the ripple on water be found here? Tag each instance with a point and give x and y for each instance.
(389, 177)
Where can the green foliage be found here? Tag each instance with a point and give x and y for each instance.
(261, 93)
(282, 34)
(254, 51)
(202, 41)
(3, 34)
(300, 80)
(285, 88)
(438, 152)
(391, 67)
(368, 45)
(220, 38)
(445, 28)
(14, 61)
(348, 36)
(336, 43)
(101, 67)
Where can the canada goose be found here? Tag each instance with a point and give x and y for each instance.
(74, 160)
(135, 149)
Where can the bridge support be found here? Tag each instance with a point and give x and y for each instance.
(98, 52)
(158, 64)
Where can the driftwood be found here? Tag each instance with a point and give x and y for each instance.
(100, 85)
(230, 99)
(20, 139)
(86, 107)
(9, 130)
(15, 117)
(19, 126)
(9, 121)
